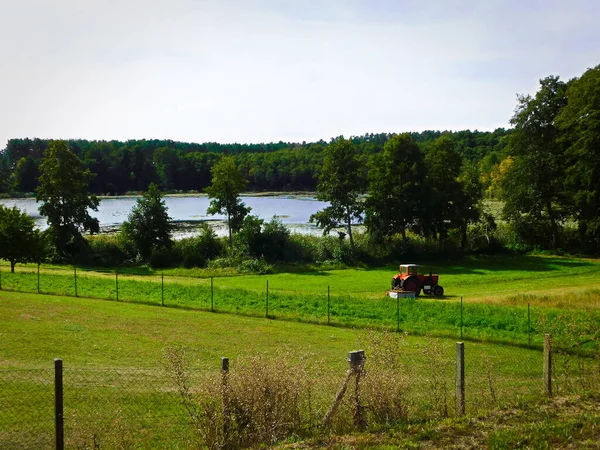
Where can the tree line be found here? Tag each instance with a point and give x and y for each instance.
(401, 187)
(121, 167)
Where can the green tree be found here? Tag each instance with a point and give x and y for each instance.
(341, 181)
(20, 241)
(579, 123)
(148, 225)
(396, 180)
(533, 187)
(227, 184)
(65, 197)
(25, 175)
(443, 196)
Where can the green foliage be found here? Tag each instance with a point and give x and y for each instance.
(341, 180)
(579, 122)
(147, 226)
(197, 251)
(227, 184)
(25, 175)
(106, 251)
(533, 188)
(20, 241)
(65, 197)
(396, 180)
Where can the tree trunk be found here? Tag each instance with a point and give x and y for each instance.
(350, 229)
(12, 266)
(555, 240)
(463, 231)
(403, 232)
(229, 226)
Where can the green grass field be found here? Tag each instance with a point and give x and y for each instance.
(118, 394)
(496, 292)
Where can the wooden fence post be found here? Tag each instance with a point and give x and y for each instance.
(58, 405)
(212, 301)
(357, 362)
(460, 379)
(328, 305)
(225, 395)
(75, 278)
(548, 364)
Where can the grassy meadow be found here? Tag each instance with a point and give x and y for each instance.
(119, 393)
(508, 299)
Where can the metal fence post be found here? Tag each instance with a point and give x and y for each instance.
(267, 301)
(529, 324)
(38, 278)
(212, 300)
(460, 379)
(548, 364)
(0, 278)
(162, 289)
(398, 312)
(328, 305)
(75, 278)
(461, 317)
(58, 404)
(117, 283)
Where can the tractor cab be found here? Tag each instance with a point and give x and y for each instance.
(413, 278)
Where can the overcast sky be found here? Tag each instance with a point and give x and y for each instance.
(269, 70)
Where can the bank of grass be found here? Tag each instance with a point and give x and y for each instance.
(118, 395)
(501, 288)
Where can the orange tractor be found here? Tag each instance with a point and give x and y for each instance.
(413, 279)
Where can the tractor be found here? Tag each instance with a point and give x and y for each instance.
(413, 279)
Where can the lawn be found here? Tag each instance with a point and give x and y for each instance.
(116, 386)
(509, 299)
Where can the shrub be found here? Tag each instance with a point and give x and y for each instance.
(106, 250)
(197, 251)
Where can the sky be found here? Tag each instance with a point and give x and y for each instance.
(270, 70)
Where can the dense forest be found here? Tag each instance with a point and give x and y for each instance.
(131, 166)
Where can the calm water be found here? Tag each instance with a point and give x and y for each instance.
(294, 211)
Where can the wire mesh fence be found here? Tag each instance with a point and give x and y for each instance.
(269, 398)
(448, 317)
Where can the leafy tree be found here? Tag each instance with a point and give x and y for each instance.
(468, 203)
(443, 200)
(579, 122)
(227, 183)
(341, 180)
(63, 191)
(533, 187)
(20, 241)
(148, 225)
(396, 180)
(25, 175)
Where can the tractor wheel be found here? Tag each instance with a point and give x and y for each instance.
(438, 291)
(412, 285)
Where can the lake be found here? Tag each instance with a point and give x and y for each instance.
(293, 210)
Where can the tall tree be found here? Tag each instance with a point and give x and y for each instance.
(148, 225)
(25, 176)
(227, 184)
(395, 187)
(20, 241)
(579, 122)
(341, 180)
(443, 195)
(65, 197)
(533, 188)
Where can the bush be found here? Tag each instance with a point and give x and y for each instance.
(106, 250)
(163, 257)
(198, 250)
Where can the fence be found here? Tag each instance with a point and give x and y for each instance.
(267, 399)
(465, 321)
